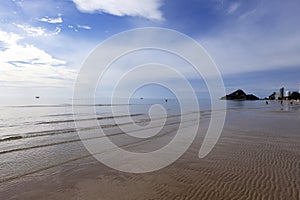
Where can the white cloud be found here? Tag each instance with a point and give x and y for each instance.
(142, 8)
(9, 39)
(233, 7)
(37, 31)
(32, 31)
(84, 27)
(57, 20)
(27, 65)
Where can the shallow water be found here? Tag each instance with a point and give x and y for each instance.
(38, 136)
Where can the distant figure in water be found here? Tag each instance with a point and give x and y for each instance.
(281, 102)
(166, 100)
(37, 97)
(267, 102)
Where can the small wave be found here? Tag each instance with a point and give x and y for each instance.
(8, 138)
(88, 119)
(59, 115)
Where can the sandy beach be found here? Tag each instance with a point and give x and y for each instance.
(257, 157)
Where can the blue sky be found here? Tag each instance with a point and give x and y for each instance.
(43, 43)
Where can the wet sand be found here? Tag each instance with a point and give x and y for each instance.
(257, 157)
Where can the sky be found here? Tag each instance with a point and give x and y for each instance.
(255, 44)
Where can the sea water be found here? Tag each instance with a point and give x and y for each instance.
(37, 135)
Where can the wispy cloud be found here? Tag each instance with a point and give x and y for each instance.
(247, 14)
(37, 31)
(84, 27)
(260, 39)
(233, 7)
(149, 9)
(50, 20)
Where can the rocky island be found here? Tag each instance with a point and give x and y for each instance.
(240, 95)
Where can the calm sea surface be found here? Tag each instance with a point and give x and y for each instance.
(38, 135)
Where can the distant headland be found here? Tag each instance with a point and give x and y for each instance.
(240, 95)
